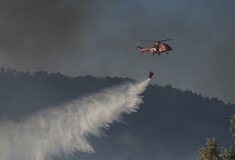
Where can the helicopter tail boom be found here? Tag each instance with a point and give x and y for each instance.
(140, 49)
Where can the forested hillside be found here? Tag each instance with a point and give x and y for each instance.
(170, 124)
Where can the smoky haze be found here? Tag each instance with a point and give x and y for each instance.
(98, 38)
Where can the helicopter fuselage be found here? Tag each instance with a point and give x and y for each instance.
(157, 48)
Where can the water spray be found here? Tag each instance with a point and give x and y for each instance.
(64, 129)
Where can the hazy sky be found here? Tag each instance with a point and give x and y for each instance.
(98, 37)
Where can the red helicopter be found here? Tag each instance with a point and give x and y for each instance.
(157, 48)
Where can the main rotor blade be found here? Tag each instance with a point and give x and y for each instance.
(168, 39)
(162, 40)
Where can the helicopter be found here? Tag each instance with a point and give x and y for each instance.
(157, 48)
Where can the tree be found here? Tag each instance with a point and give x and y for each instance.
(211, 151)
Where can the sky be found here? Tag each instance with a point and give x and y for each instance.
(98, 38)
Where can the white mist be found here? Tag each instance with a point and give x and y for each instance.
(64, 129)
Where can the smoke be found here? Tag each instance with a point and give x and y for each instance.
(65, 129)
